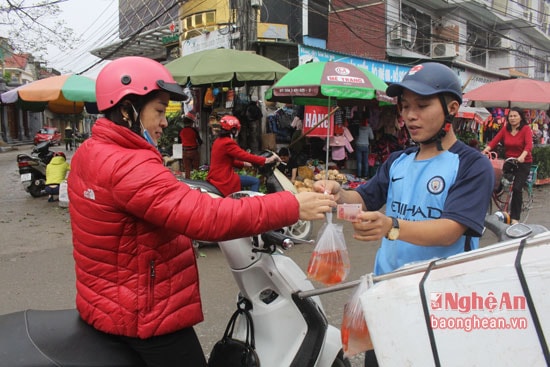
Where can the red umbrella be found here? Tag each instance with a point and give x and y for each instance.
(479, 114)
(523, 93)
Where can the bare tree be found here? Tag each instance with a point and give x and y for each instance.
(30, 26)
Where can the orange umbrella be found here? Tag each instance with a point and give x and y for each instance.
(64, 94)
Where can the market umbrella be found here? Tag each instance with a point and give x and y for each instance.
(227, 67)
(65, 94)
(324, 84)
(317, 83)
(523, 93)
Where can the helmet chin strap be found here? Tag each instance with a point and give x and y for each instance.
(445, 127)
(136, 115)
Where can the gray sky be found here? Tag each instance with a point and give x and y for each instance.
(95, 22)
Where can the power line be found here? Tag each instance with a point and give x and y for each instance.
(360, 27)
(134, 35)
(104, 27)
(363, 17)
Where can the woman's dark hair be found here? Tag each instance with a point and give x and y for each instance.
(522, 122)
(116, 115)
(224, 133)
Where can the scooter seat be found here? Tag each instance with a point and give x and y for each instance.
(37, 338)
(201, 184)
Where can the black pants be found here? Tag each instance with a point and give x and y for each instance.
(52, 189)
(522, 173)
(370, 359)
(181, 348)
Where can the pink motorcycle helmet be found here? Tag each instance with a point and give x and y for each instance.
(133, 75)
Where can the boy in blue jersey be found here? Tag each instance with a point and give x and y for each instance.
(436, 193)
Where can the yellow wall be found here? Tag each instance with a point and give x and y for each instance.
(203, 14)
(197, 6)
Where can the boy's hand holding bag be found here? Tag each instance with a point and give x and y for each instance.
(354, 331)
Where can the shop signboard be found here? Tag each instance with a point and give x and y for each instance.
(388, 72)
(207, 41)
(317, 123)
(173, 108)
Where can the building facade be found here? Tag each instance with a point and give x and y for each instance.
(483, 40)
(18, 124)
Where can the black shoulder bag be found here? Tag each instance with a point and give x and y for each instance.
(229, 352)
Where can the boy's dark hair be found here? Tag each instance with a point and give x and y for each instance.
(283, 152)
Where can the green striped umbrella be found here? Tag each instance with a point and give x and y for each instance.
(317, 83)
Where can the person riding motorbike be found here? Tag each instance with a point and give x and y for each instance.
(227, 155)
(132, 220)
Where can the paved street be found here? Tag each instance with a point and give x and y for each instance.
(36, 265)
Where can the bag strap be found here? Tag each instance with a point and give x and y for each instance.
(231, 325)
(249, 329)
(249, 326)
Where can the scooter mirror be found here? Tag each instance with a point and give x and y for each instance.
(518, 230)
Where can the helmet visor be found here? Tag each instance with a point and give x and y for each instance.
(175, 90)
(396, 89)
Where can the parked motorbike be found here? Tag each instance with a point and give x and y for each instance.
(32, 168)
(288, 330)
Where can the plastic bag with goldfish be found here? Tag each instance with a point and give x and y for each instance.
(354, 331)
(329, 263)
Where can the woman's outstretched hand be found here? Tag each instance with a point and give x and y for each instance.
(330, 187)
(314, 205)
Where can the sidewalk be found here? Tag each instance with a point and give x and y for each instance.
(5, 147)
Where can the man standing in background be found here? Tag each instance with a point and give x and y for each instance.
(68, 138)
(190, 143)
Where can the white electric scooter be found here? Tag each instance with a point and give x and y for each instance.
(289, 330)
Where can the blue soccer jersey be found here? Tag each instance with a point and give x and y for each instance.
(455, 184)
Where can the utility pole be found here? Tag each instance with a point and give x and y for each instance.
(255, 6)
(246, 21)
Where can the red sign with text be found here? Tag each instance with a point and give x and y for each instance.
(316, 123)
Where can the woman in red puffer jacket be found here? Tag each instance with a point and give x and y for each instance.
(136, 273)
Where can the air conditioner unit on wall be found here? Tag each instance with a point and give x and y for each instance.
(443, 50)
(499, 42)
(505, 43)
(401, 32)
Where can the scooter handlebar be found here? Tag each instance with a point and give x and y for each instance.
(506, 232)
(272, 239)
